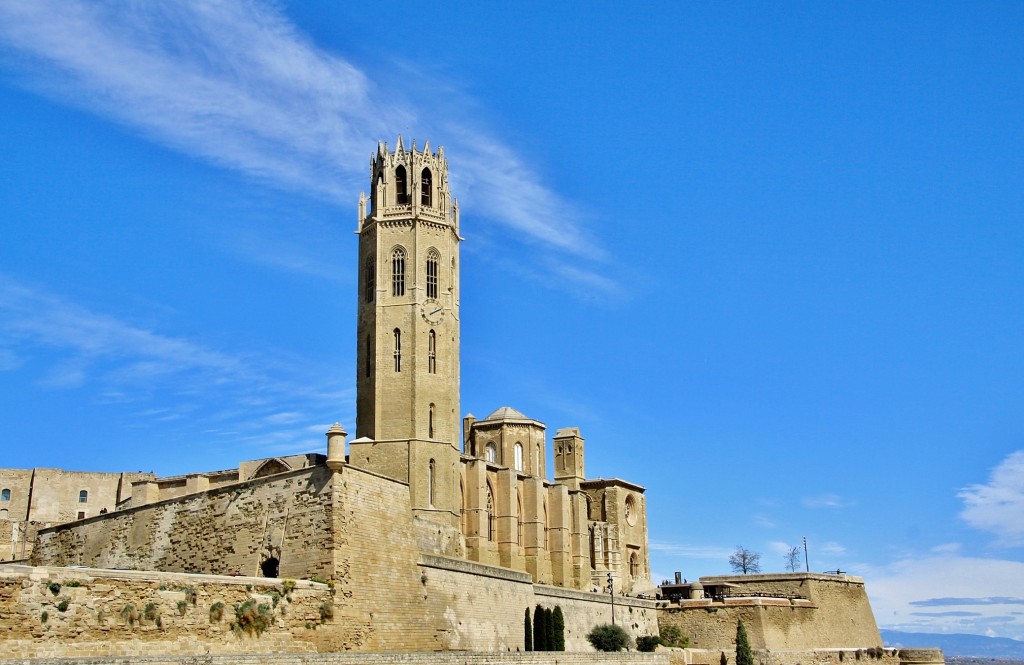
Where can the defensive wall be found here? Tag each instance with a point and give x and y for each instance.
(785, 610)
(439, 658)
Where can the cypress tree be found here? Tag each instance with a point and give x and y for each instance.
(549, 620)
(744, 656)
(528, 631)
(558, 643)
(539, 630)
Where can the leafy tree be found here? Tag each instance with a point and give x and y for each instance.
(528, 630)
(540, 630)
(647, 642)
(792, 557)
(549, 621)
(745, 561)
(744, 656)
(558, 635)
(608, 637)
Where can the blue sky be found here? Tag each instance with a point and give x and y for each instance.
(769, 258)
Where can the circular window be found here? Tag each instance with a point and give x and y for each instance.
(630, 510)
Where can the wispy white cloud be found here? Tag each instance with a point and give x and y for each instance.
(977, 595)
(825, 501)
(236, 84)
(831, 547)
(691, 551)
(259, 397)
(998, 506)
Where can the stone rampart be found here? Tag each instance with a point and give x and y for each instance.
(440, 658)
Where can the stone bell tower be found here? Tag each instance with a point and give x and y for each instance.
(407, 404)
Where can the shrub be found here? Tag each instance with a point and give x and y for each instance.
(151, 612)
(129, 614)
(540, 630)
(608, 637)
(190, 595)
(63, 605)
(744, 656)
(216, 612)
(528, 630)
(326, 611)
(44, 617)
(558, 632)
(251, 618)
(182, 605)
(54, 587)
(287, 586)
(670, 635)
(72, 583)
(647, 642)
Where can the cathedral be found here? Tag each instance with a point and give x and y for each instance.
(478, 489)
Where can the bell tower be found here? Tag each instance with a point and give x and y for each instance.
(407, 374)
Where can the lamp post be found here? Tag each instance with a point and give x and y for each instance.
(611, 590)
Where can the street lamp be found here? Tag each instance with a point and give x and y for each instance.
(611, 590)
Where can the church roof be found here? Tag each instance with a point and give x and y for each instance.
(506, 413)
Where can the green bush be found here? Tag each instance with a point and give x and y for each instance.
(44, 617)
(671, 636)
(744, 656)
(608, 637)
(558, 632)
(63, 605)
(540, 630)
(182, 606)
(216, 612)
(326, 611)
(528, 631)
(647, 642)
(129, 614)
(251, 618)
(54, 587)
(151, 612)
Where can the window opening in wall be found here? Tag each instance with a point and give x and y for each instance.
(369, 354)
(634, 565)
(398, 272)
(432, 259)
(593, 550)
(426, 188)
(518, 456)
(519, 519)
(491, 453)
(430, 484)
(3, 513)
(401, 189)
(432, 352)
(430, 423)
(83, 496)
(398, 350)
(369, 279)
(490, 513)
(5, 495)
(81, 514)
(270, 567)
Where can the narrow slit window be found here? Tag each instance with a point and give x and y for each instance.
(398, 350)
(430, 485)
(432, 260)
(401, 189)
(432, 353)
(369, 355)
(398, 272)
(369, 282)
(426, 188)
(430, 423)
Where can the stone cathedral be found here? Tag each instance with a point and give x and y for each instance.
(478, 490)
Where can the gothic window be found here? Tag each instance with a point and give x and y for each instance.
(430, 423)
(519, 519)
(433, 258)
(593, 549)
(83, 496)
(430, 481)
(369, 355)
(5, 495)
(540, 465)
(401, 189)
(426, 188)
(490, 513)
(432, 353)
(398, 350)
(518, 456)
(398, 272)
(634, 565)
(368, 279)
(491, 453)
(629, 511)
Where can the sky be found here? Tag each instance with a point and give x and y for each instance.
(768, 257)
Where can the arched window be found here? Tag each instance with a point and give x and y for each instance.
(369, 279)
(432, 352)
(401, 188)
(3, 513)
(519, 519)
(398, 350)
(539, 460)
(593, 549)
(490, 513)
(518, 456)
(426, 188)
(432, 260)
(430, 423)
(5, 495)
(491, 453)
(430, 483)
(398, 272)
(634, 565)
(629, 510)
(83, 496)
(369, 354)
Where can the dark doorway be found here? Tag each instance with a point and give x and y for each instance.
(270, 567)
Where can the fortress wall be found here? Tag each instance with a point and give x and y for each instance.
(440, 658)
(584, 610)
(95, 621)
(802, 656)
(223, 531)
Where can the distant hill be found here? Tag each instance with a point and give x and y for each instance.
(958, 645)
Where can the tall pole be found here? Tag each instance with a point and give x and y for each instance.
(807, 562)
(611, 590)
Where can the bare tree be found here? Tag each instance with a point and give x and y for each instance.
(792, 557)
(745, 561)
